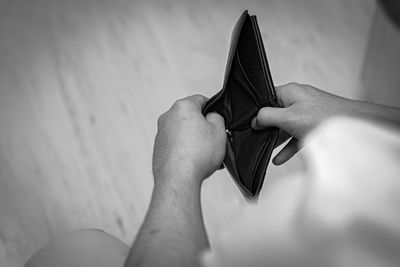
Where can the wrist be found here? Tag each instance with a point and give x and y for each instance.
(176, 178)
(346, 107)
(176, 190)
(178, 171)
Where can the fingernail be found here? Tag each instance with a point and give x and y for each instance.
(253, 123)
(277, 161)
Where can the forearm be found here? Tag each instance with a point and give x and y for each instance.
(173, 232)
(375, 111)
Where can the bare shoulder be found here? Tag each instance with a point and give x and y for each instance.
(88, 247)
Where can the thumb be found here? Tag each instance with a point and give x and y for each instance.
(270, 117)
(216, 120)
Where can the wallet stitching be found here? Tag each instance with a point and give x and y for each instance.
(265, 66)
(265, 148)
(272, 143)
(235, 37)
(270, 96)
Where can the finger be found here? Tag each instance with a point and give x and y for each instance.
(282, 138)
(288, 151)
(198, 101)
(270, 117)
(216, 120)
(288, 94)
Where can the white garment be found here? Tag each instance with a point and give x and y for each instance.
(343, 211)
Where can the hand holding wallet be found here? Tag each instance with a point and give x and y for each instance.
(247, 88)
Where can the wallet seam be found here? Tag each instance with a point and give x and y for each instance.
(265, 66)
(246, 78)
(224, 102)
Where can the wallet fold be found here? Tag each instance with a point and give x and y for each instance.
(247, 88)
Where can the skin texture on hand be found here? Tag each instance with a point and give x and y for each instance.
(188, 148)
(304, 107)
(187, 144)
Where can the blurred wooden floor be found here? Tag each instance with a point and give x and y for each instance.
(83, 82)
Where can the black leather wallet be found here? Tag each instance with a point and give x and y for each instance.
(247, 88)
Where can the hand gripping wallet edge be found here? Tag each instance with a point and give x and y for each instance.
(247, 87)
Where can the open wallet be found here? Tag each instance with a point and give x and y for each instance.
(247, 88)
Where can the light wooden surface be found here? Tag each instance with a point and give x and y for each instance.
(83, 82)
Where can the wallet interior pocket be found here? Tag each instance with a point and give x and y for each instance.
(248, 162)
(251, 53)
(243, 96)
(247, 87)
(251, 89)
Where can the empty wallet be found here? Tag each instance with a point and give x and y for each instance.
(247, 88)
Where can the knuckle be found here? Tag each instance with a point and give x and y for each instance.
(177, 103)
(285, 90)
(198, 96)
(180, 103)
(161, 119)
(292, 86)
(305, 88)
(294, 91)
